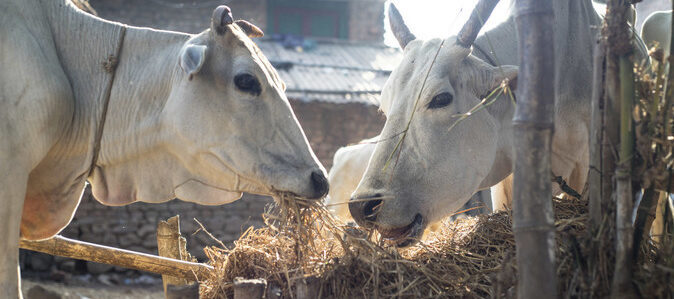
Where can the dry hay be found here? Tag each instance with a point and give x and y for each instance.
(471, 257)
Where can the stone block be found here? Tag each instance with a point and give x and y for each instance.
(128, 239)
(40, 261)
(40, 292)
(98, 268)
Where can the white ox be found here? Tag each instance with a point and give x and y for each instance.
(478, 152)
(349, 165)
(199, 117)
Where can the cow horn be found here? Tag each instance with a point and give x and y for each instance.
(400, 30)
(250, 29)
(477, 19)
(222, 16)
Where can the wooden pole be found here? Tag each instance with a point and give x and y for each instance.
(622, 277)
(308, 288)
(249, 288)
(168, 245)
(533, 216)
(69, 248)
(594, 176)
(619, 41)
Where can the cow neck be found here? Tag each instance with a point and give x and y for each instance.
(110, 67)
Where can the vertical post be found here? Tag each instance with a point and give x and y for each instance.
(622, 277)
(533, 222)
(249, 288)
(169, 245)
(622, 90)
(307, 288)
(595, 175)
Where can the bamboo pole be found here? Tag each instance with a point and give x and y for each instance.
(621, 47)
(622, 277)
(69, 248)
(533, 222)
(594, 176)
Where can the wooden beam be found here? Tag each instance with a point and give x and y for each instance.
(65, 247)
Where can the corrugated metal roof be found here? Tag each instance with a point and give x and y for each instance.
(335, 71)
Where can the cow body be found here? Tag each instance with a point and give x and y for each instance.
(348, 167)
(440, 79)
(142, 114)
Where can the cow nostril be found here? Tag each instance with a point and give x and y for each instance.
(364, 209)
(370, 209)
(320, 184)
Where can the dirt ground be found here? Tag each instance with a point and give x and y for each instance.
(91, 290)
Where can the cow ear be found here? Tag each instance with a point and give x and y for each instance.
(250, 29)
(192, 59)
(504, 72)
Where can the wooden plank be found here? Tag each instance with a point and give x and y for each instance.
(65, 247)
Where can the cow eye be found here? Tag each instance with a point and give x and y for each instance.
(247, 83)
(440, 100)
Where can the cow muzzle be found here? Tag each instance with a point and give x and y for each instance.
(365, 211)
(319, 185)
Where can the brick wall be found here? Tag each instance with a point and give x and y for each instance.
(329, 126)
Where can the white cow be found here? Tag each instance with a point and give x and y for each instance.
(349, 165)
(438, 79)
(142, 114)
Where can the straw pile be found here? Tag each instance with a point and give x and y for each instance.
(472, 257)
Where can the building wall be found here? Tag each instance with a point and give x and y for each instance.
(330, 126)
(366, 17)
(366, 20)
(177, 15)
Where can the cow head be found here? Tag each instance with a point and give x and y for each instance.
(226, 128)
(425, 166)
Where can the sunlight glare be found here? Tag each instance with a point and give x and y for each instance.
(440, 18)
